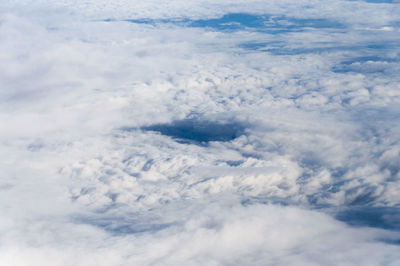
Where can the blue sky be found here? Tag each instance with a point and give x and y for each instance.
(199, 132)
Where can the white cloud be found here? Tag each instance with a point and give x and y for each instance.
(81, 184)
(216, 234)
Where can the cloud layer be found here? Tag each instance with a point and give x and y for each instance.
(199, 133)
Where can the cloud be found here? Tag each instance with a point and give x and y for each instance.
(215, 234)
(170, 143)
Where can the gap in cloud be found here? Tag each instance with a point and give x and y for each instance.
(378, 217)
(303, 50)
(119, 225)
(198, 131)
(263, 23)
(177, 21)
(245, 21)
(259, 46)
(363, 48)
(391, 241)
(378, 1)
(372, 58)
(382, 1)
(365, 64)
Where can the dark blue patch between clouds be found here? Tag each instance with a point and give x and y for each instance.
(122, 226)
(263, 23)
(199, 131)
(244, 21)
(367, 64)
(382, 1)
(278, 48)
(379, 217)
(368, 59)
(378, 1)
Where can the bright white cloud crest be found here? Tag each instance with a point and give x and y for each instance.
(199, 133)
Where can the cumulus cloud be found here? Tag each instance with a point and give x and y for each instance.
(199, 132)
(215, 234)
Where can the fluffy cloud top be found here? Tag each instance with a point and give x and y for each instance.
(199, 133)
